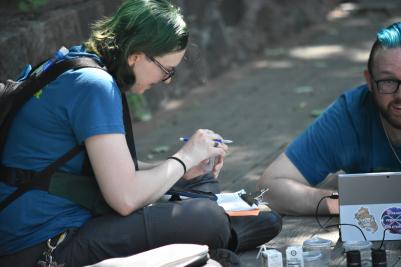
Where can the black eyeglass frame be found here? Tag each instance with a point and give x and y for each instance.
(377, 82)
(169, 73)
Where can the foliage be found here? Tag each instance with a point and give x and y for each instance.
(30, 5)
(139, 107)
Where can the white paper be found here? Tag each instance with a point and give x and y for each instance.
(233, 202)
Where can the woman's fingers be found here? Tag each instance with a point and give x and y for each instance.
(218, 165)
(204, 144)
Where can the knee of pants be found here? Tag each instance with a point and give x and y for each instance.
(214, 223)
(274, 219)
(199, 221)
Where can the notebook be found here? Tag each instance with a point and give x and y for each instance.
(372, 201)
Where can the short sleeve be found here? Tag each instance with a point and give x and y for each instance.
(97, 108)
(326, 146)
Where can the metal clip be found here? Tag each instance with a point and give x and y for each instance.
(48, 258)
(259, 198)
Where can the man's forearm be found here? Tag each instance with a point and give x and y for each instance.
(291, 197)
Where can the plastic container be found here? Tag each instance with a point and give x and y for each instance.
(294, 256)
(272, 258)
(321, 245)
(208, 167)
(313, 259)
(58, 55)
(364, 248)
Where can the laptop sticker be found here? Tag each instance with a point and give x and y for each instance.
(365, 220)
(391, 219)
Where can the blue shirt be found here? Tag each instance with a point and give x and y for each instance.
(77, 105)
(347, 136)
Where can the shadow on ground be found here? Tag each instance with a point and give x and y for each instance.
(263, 105)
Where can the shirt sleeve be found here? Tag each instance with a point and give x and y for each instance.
(326, 145)
(97, 108)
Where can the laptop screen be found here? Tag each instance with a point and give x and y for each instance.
(372, 202)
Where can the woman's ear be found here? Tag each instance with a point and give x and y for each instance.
(132, 59)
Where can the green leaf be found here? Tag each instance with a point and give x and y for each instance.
(316, 112)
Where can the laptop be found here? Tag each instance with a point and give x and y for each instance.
(371, 201)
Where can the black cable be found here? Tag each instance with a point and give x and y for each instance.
(348, 224)
(332, 196)
(384, 234)
(324, 224)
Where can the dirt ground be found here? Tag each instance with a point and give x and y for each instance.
(262, 106)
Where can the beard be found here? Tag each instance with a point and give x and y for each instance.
(385, 111)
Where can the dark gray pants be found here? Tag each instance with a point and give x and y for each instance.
(199, 221)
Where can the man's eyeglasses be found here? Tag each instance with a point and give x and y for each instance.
(387, 86)
(168, 73)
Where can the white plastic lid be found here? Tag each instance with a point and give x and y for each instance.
(356, 245)
(317, 242)
(312, 255)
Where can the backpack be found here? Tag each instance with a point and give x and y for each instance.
(81, 189)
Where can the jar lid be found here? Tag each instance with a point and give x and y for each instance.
(312, 255)
(357, 245)
(317, 242)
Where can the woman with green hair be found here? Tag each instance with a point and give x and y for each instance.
(139, 46)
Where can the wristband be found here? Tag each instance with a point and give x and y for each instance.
(180, 161)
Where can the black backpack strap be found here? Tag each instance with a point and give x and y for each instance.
(35, 83)
(129, 134)
(41, 180)
(22, 94)
(34, 180)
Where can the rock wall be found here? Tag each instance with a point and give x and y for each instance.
(223, 34)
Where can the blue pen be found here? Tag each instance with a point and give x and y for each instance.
(224, 141)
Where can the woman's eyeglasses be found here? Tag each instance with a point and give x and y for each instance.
(168, 73)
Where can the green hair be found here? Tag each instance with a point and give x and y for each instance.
(152, 27)
(389, 37)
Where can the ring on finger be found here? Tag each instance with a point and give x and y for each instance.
(216, 144)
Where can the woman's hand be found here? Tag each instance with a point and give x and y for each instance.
(197, 170)
(218, 165)
(204, 167)
(199, 149)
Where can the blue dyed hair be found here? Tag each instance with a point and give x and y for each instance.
(389, 37)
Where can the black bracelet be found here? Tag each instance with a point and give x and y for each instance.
(180, 161)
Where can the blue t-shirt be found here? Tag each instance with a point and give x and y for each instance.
(347, 136)
(77, 105)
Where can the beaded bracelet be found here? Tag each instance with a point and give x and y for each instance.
(180, 161)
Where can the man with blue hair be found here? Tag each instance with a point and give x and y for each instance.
(359, 132)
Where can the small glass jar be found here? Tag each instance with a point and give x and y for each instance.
(321, 245)
(364, 248)
(312, 259)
